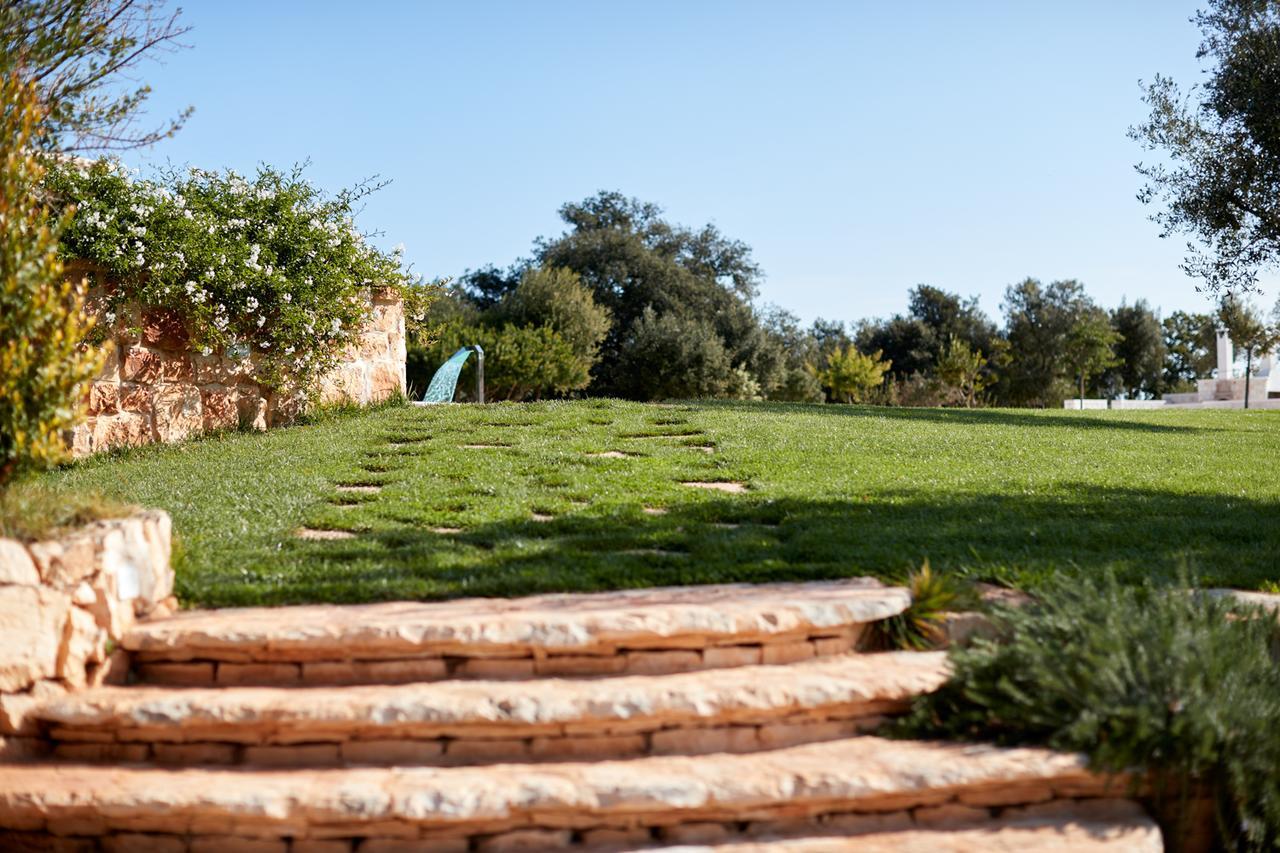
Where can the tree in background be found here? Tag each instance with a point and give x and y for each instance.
(1222, 185)
(676, 355)
(558, 299)
(692, 285)
(851, 375)
(1089, 346)
(1037, 322)
(541, 338)
(80, 56)
(1189, 341)
(1248, 330)
(798, 347)
(964, 368)
(44, 370)
(915, 342)
(1140, 354)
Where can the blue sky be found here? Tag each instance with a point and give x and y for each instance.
(859, 148)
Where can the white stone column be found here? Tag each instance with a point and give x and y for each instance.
(1225, 353)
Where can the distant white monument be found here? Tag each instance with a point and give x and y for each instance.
(1224, 391)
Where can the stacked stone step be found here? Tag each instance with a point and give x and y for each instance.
(734, 717)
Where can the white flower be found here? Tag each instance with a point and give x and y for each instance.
(206, 351)
(336, 325)
(261, 320)
(288, 297)
(398, 250)
(251, 303)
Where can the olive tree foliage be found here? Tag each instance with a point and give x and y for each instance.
(964, 368)
(1089, 346)
(665, 286)
(916, 341)
(44, 370)
(1218, 176)
(1189, 344)
(80, 56)
(1140, 354)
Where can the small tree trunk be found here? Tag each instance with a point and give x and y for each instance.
(1082, 390)
(1248, 367)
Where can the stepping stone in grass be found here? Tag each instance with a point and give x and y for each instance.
(655, 510)
(541, 516)
(731, 488)
(610, 454)
(726, 525)
(323, 535)
(481, 446)
(653, 552)
(366, 489)
(705, 448)
(445, 531)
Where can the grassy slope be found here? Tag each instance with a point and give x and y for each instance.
(834, 491)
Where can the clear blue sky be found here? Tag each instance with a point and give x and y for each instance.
(859, 148)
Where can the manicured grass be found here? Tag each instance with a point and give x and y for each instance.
(831, 491)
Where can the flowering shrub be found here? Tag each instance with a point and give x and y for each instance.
(269, 266)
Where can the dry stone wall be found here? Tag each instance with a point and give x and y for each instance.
(65, 605)
(155, 387)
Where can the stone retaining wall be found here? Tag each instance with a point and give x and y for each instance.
(65, 604)
(155, 387)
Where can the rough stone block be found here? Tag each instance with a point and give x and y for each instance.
(587, 748)
(778, 735)
(193, 753)
(32, 622)
(467, 750)
(164, 330)
(83, 643)
(580, 665)
(496, 668)
(261, 674)
(137, 398)
(126, 429)
(64, 563)
(525, 839)
(705, 741)
(320, 845)
(392, 751)
(405, 671)
(141, 365)
(16, 565)
(783, 653)
(177, 674)
(237, 844)
(299, 755)
(694, 833)
(178, 412)
(662, 663)
(100, 752)
(220, 407)
(950, 815)
(104, 398)
(136, 842)
(716, 657)
(384, 380)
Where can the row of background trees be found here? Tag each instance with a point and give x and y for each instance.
(624, 303)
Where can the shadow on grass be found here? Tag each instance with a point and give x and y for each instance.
(1011, 539)
(1040, 419)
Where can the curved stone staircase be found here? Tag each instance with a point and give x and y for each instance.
(730, 718)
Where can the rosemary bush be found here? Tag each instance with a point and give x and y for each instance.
(1181, 688)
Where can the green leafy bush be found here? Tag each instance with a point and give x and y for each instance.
(558, 299)
(850, 375)
(44, 369)
(1181, 688)
(520, 362)
(269, 265)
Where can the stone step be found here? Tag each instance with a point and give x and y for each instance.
(541, 806)
(649, 631)
(1080, 826)
(740, 709)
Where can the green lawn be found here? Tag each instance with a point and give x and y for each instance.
(831, 491)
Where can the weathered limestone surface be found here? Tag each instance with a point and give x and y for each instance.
(734, 710)
(62, 602)
(862, 774)
(157, 387)
(597, 623)
(1090, 826)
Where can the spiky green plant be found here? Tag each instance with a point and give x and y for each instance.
(919, 627)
